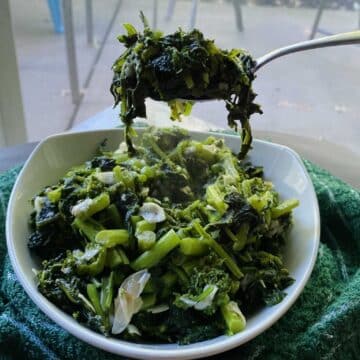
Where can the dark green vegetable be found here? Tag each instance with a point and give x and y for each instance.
(51, 235)
(102, 162)
(218, 249)
(178, 325)
(62, 286)
(184, 255)
(182, 66)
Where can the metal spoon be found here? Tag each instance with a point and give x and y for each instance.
(347, 38)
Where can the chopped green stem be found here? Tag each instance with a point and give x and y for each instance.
(181, 275)
(125, 259)
(54, 195)
(89, 228)
(215, 199)
(144, 225)
(230, 168)
(94, 298)
(64, 286)
(111, 238)
(87, 304)
(146, 240)
(95, 267)
(127, 134)
(153, 256)
(230, 234)
(135, 219)
(113, 259)
(234, 319)
(157, 149)
(284, 208)
(241, 236)
(229, 262)
(114, 216)
(145, 235)
(94, 206)
(246, 139)
(193, 246)
(107, 292)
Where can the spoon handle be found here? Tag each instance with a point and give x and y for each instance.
(348, 38)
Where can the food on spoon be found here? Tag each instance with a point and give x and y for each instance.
(182, 65)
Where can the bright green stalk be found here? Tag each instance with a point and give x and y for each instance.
(145, 235)
(144, 225)
(94, 268)
(94, 206)
(284, 208)
(107, 292)
(116, 257)
(234, 319)
(89, 228)
(215, 198)
(146, 240)
(111, 238)
(94, 298)
(153, 256)
(229, 262)
(193, 246)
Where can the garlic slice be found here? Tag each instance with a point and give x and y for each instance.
(204, 303)
(39, 203)
(158, 309)
(106, 177)
(81, 207)
(122, 148)
(128, 301)
(133, 330)
(152, 213)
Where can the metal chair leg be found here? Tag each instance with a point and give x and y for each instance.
(155, 14)
(170, 10)
(317, 19)
(71, 51)
(238, 15)
(89, 22)
(55, 12)
(194, 7)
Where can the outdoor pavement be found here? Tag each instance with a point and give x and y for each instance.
(313, 95)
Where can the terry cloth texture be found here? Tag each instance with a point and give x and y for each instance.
(324, 323)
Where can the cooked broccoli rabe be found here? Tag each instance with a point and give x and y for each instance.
(177, 243)
(182, 66)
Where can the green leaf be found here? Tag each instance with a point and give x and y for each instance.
(130, 29)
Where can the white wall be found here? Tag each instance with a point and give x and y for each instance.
(12, 124)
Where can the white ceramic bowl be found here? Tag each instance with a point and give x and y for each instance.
(56, 154)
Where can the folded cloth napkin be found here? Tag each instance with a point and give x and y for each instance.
(324, 323)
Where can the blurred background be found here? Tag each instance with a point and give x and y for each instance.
(53, 80)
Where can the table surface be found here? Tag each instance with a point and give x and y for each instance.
(336, 159)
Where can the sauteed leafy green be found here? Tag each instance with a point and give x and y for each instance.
(178, 242)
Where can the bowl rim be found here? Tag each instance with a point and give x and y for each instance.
(136, 350)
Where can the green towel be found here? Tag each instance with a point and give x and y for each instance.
(324, 323)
